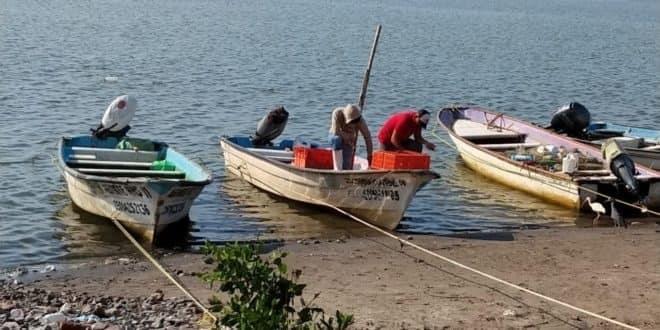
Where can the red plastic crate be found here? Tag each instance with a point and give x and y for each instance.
(312, 158)
(396, 160)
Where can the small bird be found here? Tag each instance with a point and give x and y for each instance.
(596, 207)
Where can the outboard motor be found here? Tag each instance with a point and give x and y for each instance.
(270, 127)
(116, 118)
(571, 119)
(622, 166)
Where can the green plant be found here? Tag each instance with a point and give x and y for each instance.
(261, 293)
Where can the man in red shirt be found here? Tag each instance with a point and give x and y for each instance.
(395, 133)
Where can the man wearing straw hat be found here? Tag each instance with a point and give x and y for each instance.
(345, 124)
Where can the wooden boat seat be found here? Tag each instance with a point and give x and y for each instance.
(652, 148)
(592, 173)
(285, 156)
(611, 178)
(107, 163)
(510, 146)
(132, 173)
(480, 133)
(106, 154)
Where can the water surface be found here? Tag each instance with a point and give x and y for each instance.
(201, 69)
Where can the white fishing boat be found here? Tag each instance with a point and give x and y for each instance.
(145, 190)
(379, 197)
(564, 171)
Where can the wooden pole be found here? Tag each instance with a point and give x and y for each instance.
(365, 81)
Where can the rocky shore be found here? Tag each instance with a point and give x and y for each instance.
(29, 307)
(613, 272)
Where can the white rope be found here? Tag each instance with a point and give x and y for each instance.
(458, 264)
(164, 271)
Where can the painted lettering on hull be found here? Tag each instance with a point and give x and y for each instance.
(174, 208)
(374, 194)
(131, 207)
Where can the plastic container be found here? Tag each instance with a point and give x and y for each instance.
(396, 160)
(312, 158)
(525, 158)
(569, 164)
(163, 165)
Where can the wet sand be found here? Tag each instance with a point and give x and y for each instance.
(614, 272)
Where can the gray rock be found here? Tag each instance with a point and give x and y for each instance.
(53, 318)
(10, 326)
(7, 306)
(110, 312)
(16, 314)
(113, 327)
(158, 323)
(99, 326)
(65, 308)
(87, 308)
(3, 318)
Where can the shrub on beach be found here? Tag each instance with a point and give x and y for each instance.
(262, 294)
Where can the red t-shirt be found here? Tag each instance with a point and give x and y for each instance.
(402, 122)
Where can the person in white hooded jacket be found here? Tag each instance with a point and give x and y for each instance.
(345, 124)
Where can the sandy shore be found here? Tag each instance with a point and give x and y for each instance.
(609, 271)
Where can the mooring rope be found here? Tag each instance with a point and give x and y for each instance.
(456, 263)
(496, 279)
(164, 271)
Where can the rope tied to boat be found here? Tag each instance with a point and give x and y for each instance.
(213, 319)
(460, 265)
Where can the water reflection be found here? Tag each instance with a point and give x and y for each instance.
(280, 218)
(83, 234)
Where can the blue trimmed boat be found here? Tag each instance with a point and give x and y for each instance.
(642, 144)
(146, 186)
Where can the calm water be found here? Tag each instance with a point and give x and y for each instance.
(201, 69)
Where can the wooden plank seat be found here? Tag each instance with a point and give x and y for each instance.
(592, 172)
(509, 146)
(107, 154)
(481, 133)
(612, 178)
(132, 173)
(82, 156)
(108, 163)
(285, 156)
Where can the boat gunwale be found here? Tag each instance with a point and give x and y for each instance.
(64, 167)
(290, 167)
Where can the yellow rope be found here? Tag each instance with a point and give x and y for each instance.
(164, 271)
(458, 264)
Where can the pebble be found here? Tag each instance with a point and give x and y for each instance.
(35, 308)
(53, 318)
(10, 326)
(65, 308)
(16, 314)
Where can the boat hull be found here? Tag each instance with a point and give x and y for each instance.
(144, 208)
(551, 189)
(379, 197)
